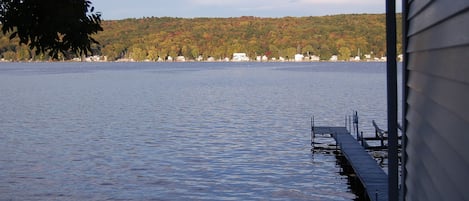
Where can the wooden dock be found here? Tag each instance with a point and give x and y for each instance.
(373, 179)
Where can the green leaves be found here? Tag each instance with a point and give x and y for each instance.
(51, 26)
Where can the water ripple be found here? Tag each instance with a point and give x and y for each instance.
(174, 131)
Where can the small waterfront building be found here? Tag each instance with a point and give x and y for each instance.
(315, 58)
(94, 58)
(400, 57)
(210, 59)
(334, 58)
(240, 57)
(299, 57)
(180, 59)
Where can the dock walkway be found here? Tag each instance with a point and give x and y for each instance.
(372, 177)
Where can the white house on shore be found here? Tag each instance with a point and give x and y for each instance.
(299, 57)
(240, 57)
(315, 58)
(180, 58)
(210, 59)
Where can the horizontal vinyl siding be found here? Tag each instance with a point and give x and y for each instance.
(416, 7)
(452, 33)
(447, 94)
(441, 155)
(436, 63)
(434, 12)
(452, 130)
(431, 38)
(437, 115)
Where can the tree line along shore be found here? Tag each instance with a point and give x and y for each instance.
(349, 37)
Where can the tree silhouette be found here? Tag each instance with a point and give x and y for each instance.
(51, 26)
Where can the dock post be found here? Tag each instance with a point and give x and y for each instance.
(358, 137)
(376, 130)
(345, 121)
(355, 122)
(382, 141)
(350, 123)
(362, 140)
(336, 143)
(312, 131)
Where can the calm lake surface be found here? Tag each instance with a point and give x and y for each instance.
(178, 131)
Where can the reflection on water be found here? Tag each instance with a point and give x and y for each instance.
(178, 131)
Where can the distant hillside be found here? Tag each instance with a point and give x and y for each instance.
(148, 38)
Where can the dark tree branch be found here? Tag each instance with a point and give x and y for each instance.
(51, 26)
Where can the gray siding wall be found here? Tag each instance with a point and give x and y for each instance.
(437, 110)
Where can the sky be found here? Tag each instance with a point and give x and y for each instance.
(121, 9)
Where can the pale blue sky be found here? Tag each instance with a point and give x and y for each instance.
(120, 9)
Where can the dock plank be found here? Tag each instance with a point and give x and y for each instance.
(372, 177)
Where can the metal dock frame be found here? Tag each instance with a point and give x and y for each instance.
(373, 179)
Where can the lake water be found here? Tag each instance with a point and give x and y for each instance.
(178, 131)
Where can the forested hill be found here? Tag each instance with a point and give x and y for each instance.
(148, 38)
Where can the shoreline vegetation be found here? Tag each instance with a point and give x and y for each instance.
(190, 61)
(348, 37)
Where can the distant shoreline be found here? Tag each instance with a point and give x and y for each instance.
(71, 61)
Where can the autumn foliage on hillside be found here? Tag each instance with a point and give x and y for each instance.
(150, 38)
